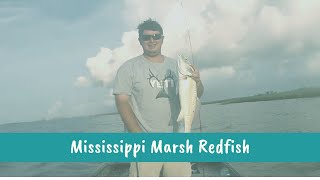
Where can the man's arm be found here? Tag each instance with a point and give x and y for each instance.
(128, 117)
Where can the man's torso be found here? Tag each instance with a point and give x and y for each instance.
(154, 96)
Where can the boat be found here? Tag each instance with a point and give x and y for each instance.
(200, 169)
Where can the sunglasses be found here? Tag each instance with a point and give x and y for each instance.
(148, 37)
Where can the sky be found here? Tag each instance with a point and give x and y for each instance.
(59, 58)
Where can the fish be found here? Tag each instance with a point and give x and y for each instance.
(187, 93)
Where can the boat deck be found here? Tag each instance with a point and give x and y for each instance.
(203, 169)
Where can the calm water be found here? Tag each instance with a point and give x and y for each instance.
(295, 115)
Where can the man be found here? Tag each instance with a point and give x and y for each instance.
(146, 96)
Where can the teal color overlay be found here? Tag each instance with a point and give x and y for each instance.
(246, 147)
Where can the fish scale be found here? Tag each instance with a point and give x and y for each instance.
(187, 94)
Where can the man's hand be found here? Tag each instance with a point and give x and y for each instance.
(196, 76)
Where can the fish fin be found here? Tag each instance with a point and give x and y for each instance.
(180, 117)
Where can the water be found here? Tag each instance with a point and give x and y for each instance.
(295, 115)
(86, 124)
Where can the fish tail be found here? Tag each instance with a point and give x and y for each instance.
(187, 128)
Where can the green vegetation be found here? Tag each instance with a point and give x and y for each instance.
(272, 95)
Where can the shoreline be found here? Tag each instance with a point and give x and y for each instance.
(271, 96)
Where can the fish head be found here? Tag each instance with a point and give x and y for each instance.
(184, 66)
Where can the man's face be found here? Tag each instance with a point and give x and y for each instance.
(151, 42)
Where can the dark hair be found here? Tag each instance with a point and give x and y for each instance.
(149, 24)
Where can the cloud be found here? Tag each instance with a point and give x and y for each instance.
(313, 65)
(54, 110)
(224, 72)
(104, 65)
(10, 13)
(179, 20)
(82, 82)
(100, 65)
(230, 40)
(67, 108)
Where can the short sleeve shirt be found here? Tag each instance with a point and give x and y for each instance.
(153, 91)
